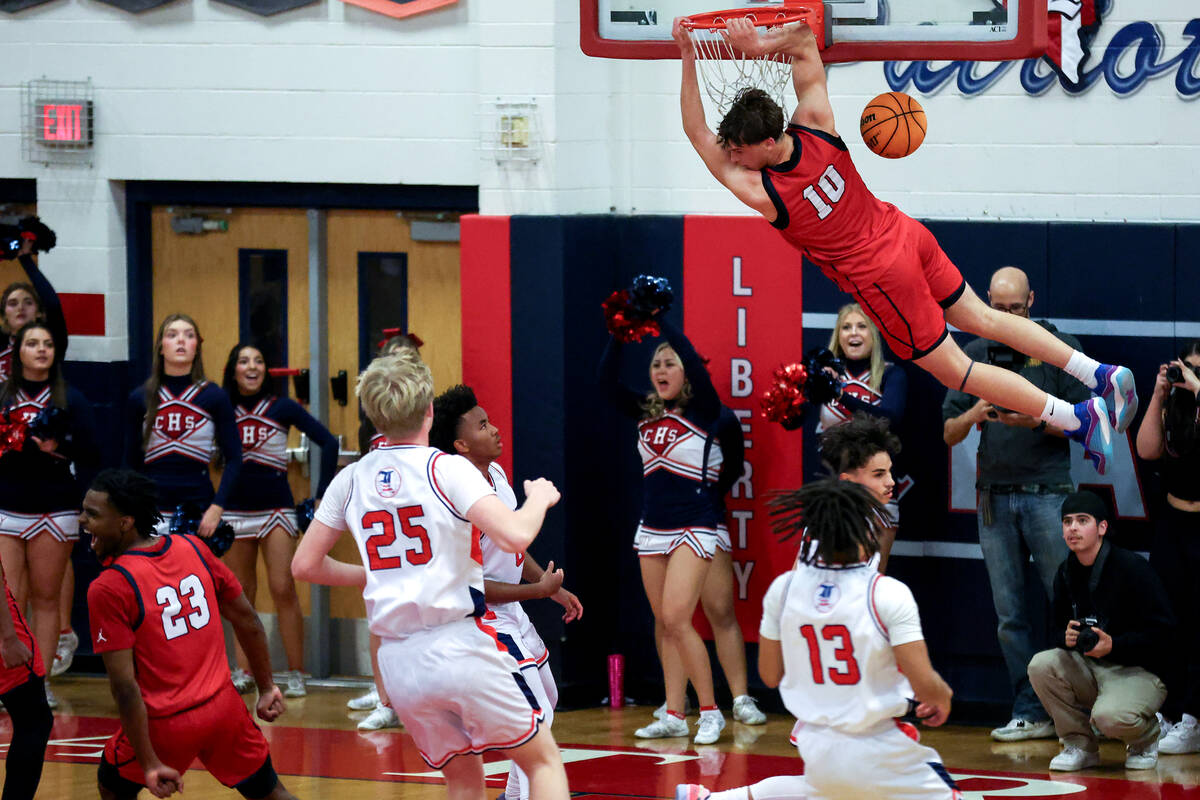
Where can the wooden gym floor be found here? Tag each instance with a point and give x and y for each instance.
(320, 755)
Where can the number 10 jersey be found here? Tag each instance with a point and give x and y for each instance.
(406, 507)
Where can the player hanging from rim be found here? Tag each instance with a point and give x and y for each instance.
(801, 179)
(844, 645)
(412, 511)
(153, 612)
(461, 426)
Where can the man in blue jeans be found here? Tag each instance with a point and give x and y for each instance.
(1024, 476)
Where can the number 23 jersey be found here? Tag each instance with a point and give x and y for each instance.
(406, 507)
(837, 628)
(162, 602)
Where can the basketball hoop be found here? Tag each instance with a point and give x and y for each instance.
(726, 71)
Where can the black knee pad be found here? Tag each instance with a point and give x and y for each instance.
(261, 783)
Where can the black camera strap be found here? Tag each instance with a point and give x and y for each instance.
(1093, 578)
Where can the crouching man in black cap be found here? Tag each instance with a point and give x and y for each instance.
(1116, 640)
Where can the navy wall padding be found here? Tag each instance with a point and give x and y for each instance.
(18, 190)
(563, 429)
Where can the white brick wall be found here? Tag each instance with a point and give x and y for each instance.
(201, 91)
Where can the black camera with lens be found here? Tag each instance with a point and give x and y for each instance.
(1088, 638)
(821, 387)
(1175, 373)
(1003, 356)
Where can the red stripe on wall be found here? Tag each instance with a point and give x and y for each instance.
(741, 291)
(84, 313)
(487, 320)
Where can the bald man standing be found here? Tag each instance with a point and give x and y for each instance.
(1024, 476)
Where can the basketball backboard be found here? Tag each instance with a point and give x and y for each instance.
(862, 30)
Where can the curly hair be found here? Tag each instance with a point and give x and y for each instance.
(839, 522)
(448, 410)
(851, 445)
(132, 494)
(752, 118)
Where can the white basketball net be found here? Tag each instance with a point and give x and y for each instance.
(725, 71)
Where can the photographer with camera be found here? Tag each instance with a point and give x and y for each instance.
(1117, 636)
(1024, 475)
(1170, 435)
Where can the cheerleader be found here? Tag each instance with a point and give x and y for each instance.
(679, 525)
(41, 481)
(261, 507)
(175, 423)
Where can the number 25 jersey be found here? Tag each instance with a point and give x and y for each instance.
(162, 602)
(837, 627)
(406, 507)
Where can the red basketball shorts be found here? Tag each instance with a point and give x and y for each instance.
(220, 732)
(904, 283)
(19, 675)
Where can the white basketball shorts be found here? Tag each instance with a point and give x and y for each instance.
(885, 762)
(458, 691)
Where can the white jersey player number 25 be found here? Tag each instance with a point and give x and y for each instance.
(384, 522)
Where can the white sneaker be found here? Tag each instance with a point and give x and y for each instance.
(1164, 728)
(1181, 738)
(1019, 729)
(1073, 758)
(364, 701)
(746, 711)
(1146, 758)
(64, 654)
(51, 700)
(296, 686)
(242, 681)
(382, 717)
(711, 725)
(668, 728)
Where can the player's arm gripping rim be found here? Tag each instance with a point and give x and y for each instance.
(745, 184)
(161, 780)
(933, 693)
(813, 109)
(248, 629)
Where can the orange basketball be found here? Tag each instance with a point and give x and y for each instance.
(893, 125)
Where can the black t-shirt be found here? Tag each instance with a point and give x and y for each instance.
(1013, 455)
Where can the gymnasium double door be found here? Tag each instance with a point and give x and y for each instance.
(251, 282)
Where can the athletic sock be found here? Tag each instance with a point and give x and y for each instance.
(1059, 413)
(1083, 369)
(675, 714)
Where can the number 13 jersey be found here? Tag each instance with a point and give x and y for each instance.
(162, 602)
(406, 507)
(837, 627)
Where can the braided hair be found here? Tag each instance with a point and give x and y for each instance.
(132, 494)
(839, 522)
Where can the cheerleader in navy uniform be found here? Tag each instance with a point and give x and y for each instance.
(870, 386)
(41, 480)
(24, 302)
(175, 424)
(261, 507)
(679, 529)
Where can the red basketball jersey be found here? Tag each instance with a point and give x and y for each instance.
(20, 674)
(823, 207)
(163, 603)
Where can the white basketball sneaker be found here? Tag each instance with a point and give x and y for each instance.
(382, 717)
(668, 728)
(1183, 737)
(747, 712)
(710, 727)
(364, 701)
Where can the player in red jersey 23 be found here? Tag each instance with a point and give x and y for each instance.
(155, 615)
(801, 179)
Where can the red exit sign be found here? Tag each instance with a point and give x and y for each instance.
(65, 122)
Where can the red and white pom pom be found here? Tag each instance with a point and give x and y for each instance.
(784, 401)
(624, 322)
